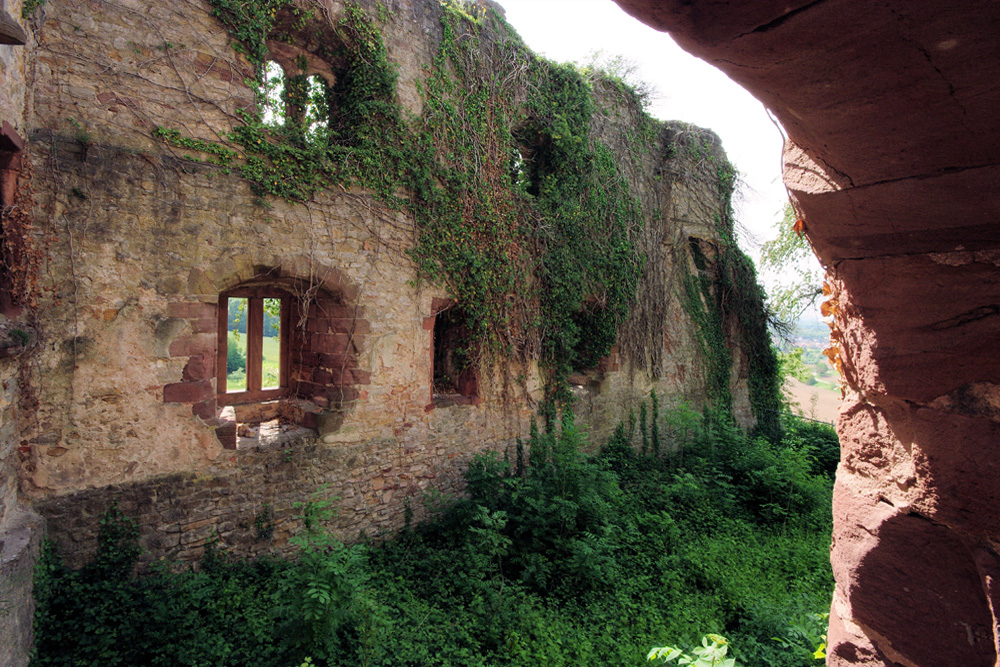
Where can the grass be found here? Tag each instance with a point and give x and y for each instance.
(271, 359)
(271, 353)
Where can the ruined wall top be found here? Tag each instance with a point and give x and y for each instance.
(447, 233)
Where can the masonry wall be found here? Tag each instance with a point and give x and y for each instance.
(20, 529)
(137, 243)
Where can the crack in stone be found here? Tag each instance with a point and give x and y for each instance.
(781, 19)
(930, 61)
(969, 317)
(889, 255)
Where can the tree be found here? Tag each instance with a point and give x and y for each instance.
(801, 277)
(236, 360)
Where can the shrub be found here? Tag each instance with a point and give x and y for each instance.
(576, 560)
(236, 359)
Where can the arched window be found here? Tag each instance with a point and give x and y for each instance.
(287, 356)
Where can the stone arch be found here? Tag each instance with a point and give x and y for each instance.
(324, 333)
(892, 161)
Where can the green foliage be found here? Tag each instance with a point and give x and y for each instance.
(219, 154)
(323, 602)
(533, 231)
(643, 427)
(236, 358)
(29, 7)
(790, 253)
(525, 216)
(654, 435)
(807, 636)
(818, 440)
(711, 653)
(575, 560)
(250, 23)
(19, 336)
(117, 545)
(728, 295)
(790, 364)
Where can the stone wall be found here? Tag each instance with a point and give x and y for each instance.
(138, 242)
(20, 529)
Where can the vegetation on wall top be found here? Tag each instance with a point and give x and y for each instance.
(521, 211)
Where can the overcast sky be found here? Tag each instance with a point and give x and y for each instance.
(689, 90)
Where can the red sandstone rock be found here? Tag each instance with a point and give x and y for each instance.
(188, 392)
(890, 109)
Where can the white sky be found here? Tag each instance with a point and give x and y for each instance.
(689, 90)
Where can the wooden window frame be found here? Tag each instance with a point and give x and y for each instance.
(255, 344)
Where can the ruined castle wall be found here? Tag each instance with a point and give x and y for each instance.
(139, 242)
(12, 96)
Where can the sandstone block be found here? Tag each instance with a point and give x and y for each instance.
(188, 392)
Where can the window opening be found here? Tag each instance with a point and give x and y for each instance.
(531, 160)
(271, 345)
(454, 373)
(274, 94)
(253, 345)
(301, 361)
(298, 103)
(236, 346)
(317, 110)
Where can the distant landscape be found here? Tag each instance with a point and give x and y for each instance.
(818, 396)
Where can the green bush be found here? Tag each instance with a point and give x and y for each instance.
(236, 359)
(563, 559)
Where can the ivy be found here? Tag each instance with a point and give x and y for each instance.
(221, 155)
(726, 294)
(250, 25)
(522, 213)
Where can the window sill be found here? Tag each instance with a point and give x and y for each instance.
(449, 400)
(267, 424)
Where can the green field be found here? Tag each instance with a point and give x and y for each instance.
(237, 379)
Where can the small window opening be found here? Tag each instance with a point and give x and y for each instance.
(296, 103)
(253, 345)
(454, 373)
(236, 346)
(530, 160)
(274, 94)
(317, 109)
(702, 253)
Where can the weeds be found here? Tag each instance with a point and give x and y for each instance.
(559, 559)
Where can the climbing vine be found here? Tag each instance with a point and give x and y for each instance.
(520, 210)
(729, 292)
